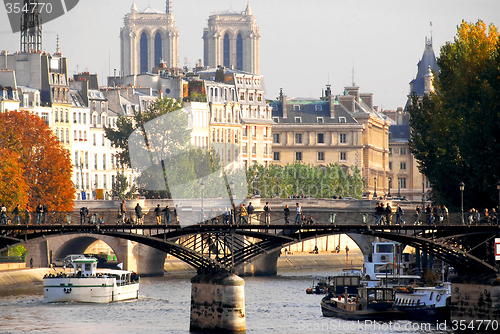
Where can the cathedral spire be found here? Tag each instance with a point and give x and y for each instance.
(248, 10)
(58, 51)
(31, 28)
(168, 5)
(133, 9)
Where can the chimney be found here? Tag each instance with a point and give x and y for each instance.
(348, 102)
(284, 103)
(354, 91)
(367, 99)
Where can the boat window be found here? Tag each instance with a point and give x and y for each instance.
(384, 248)
(430, 297)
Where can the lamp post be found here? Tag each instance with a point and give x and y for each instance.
(375, 187)
(399, 187)
(202, 186)
(498, 210)
(390, 183)
(461, 186)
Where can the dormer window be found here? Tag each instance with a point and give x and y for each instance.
(320, 119)
(298, 119)
(342, 120)
(296, 107)
(276, 119)
(318, 107)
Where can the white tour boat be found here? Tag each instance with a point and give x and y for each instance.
(90, 285)
(424, 303)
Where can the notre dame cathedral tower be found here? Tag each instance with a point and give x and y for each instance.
(232, 40)
(148, 37)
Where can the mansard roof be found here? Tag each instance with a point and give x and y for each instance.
(309, 110)
(399, 133)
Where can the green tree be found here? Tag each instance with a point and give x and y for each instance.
(120, 186)
(455, 133)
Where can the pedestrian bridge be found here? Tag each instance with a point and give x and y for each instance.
(214, 247)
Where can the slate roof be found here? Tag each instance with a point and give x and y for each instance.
(399, 133)
(309, 111)
(428, 60)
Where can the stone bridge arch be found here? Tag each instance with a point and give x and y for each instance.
(135, 256)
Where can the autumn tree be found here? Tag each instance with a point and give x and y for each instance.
(455, 135)
(37, 167)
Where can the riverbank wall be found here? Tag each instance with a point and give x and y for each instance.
(174, 266)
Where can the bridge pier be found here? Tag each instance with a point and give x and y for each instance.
(218, 303)
(262, 265)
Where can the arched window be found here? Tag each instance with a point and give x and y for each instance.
(158, 47)
(239, 52)
(144, 53)
(226, 51)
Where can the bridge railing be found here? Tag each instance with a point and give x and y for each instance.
(309, 216)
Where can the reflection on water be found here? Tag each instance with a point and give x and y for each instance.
(276, 305)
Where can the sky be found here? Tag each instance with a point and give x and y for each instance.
(304, 45)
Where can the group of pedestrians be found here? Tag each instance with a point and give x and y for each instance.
(16, 213)
(383, 214)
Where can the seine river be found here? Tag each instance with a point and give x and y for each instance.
(276, 305)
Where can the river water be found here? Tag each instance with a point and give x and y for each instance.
(276, 305)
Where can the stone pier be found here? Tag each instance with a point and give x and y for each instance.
(475, 301)
(218, 303)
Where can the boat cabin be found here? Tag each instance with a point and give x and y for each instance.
(85, 266)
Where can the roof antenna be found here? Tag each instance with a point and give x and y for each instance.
(353, 84)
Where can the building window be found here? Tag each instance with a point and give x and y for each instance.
(343, 156)
(242, 96)
(342, 120)
(74, 118)
(298, 156)
(94, 139)
(298, 138)
(402, 165)
(321, 138)
(104, 161)
(343, 138)
(320, 119)
(276, 138)
(276, 119)
(244, 148)
(67, 136)
(239, 52)
(265, 131)
(265, 149)
(402, 182)
(254, 148)
(276, 156)
(321, 156)
(298, 119)
(390, 151)
(402, 151)
(143, 53)
(103, 140)
(158, 50)
(95, 161)
(245, 132)
(296, 107)
(318, 107)
(390, 165)
(254, 131)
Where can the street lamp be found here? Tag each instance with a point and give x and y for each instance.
(233, 207)
(498, 188)
(390, 183)
(202, 186)
(399, 187)
(375, 189)
(461, 186)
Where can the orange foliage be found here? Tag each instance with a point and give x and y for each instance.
(44, 164)
(13, 186)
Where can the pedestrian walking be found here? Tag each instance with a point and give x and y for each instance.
(267, 214)
(39, 212)
(388, 214)
(123, 211)
(27, 214)
(298, 217)
(250, 211)
(15, 212)
(166, 213)
(3, 214)
(399, 214)
(287, 213)
(243, 215)
(138, 214)
(158, 214)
